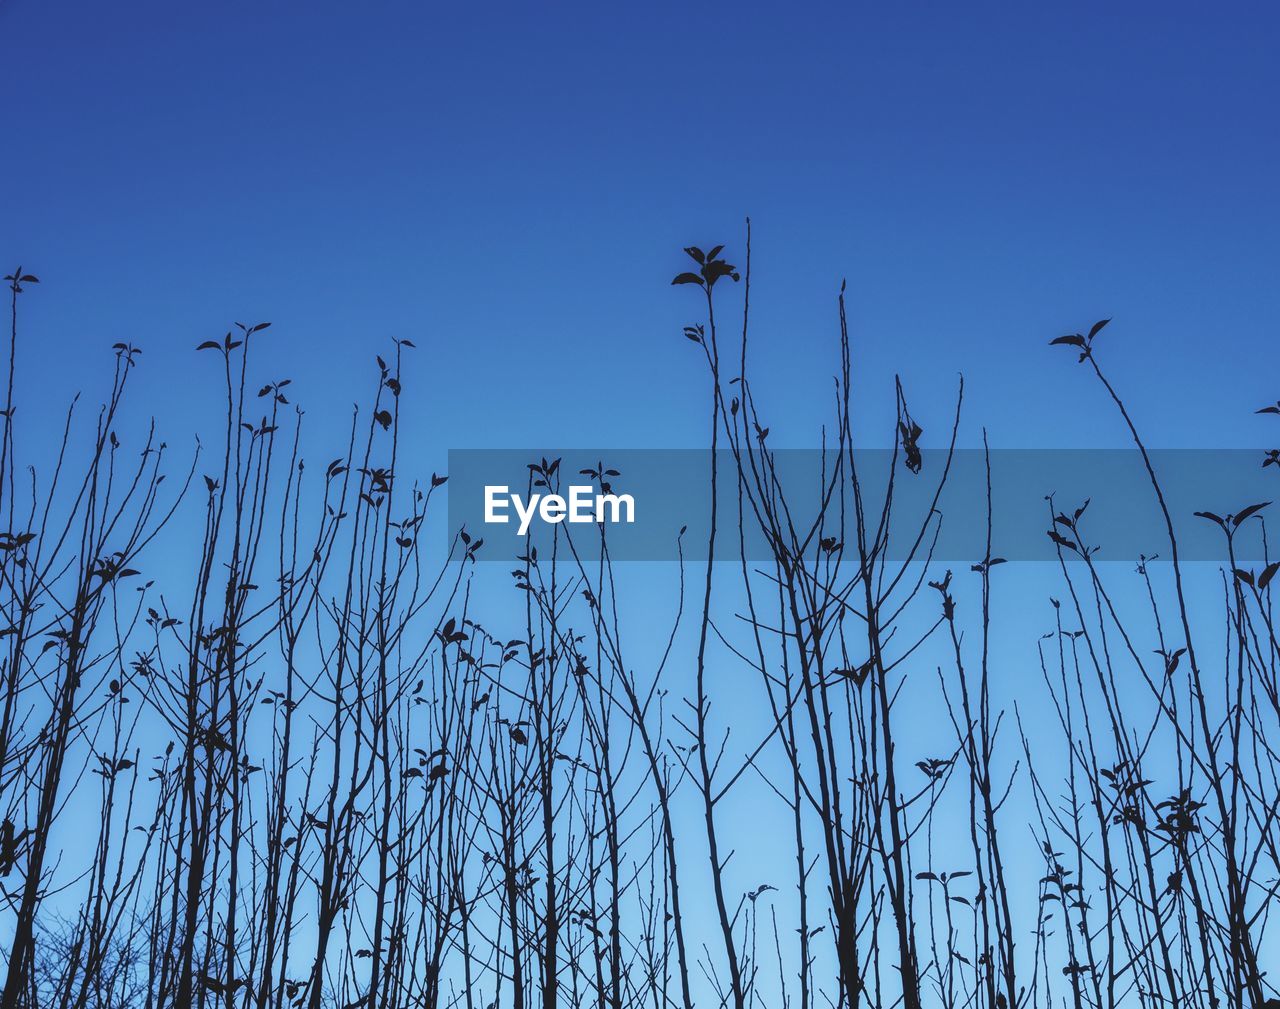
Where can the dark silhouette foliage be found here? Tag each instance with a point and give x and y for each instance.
(301, 761)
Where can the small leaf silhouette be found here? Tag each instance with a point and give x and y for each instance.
(1247, 512)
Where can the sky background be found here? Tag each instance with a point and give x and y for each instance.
(511, 189)
(510, 186)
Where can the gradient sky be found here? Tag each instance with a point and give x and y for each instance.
(510, 188)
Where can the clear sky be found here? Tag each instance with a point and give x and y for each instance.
(510, 187)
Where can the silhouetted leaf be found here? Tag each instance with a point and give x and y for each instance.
(1061, 540)
(1251, 510)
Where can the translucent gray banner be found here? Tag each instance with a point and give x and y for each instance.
(656, 503)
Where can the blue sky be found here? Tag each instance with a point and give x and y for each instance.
(510, 188)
